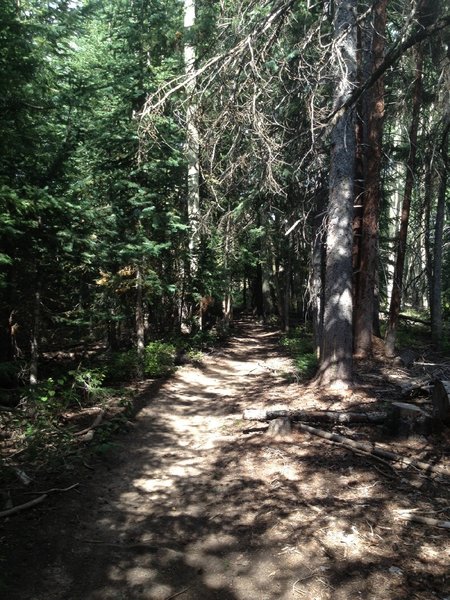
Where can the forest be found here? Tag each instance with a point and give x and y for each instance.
(174, 170)
(164, 163)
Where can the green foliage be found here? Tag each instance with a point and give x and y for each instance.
(82, 387)
(194, 356)
(159, 359)
(88, 383)
(299, 345)
(123, 366)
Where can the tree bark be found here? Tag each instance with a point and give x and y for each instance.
(325, 416)
(335, 369)
(436, 295)
(396, 297)
(365, 298)
(35, 333)
(140, 324)
(192, 140)
(427, 204)
(318, 273)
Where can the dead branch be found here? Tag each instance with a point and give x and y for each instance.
(31, 503)
(96, 423)
(20, 507)
(178, 593)
(254, 414)
(391, 58)
(422, 385)
(364, 453)
(56, 490)
(408, 516)
(375, 450)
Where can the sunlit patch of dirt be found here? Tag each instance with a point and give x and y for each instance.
(196, 503)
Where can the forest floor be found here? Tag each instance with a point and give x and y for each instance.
(195, 503)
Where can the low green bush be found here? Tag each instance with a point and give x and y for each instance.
(299, 345)
(159, 359)
(123, 366)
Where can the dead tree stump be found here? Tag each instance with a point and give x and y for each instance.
(279, 428)
(441, 401)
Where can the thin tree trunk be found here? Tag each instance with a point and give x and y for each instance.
(318, 274)
(365, 62)
(396, 297)
(436, 312)
(35, 334)
(287, 290)
(227, 300)
(337, 341)
(140, 322)
(427, 201)
(365, 298)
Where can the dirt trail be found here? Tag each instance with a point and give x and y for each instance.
(190, 506)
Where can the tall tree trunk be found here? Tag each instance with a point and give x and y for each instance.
(364, 61)
(365, 298)
(337, 341)
(257, 292)
(35, 333)
(318, 272)
(436, 307)
(427, 202)
(140, 321)
(396, 297)
(192, 141)
(227, 301)
(287, 290)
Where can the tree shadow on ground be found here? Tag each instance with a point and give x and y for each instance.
(187, 505)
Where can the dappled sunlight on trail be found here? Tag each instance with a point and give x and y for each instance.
(190, 506)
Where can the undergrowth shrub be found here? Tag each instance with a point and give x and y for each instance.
(159, 359)
(123, 366)
(299, 344)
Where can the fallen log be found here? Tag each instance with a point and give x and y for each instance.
(256, 414)
(375, 450)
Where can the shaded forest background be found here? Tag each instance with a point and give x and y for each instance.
(165, 163)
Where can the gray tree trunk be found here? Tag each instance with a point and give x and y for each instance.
(35, 334)
(337, 340)
(436, 307)
(192, 141)
(140, 323)
(318, 272)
